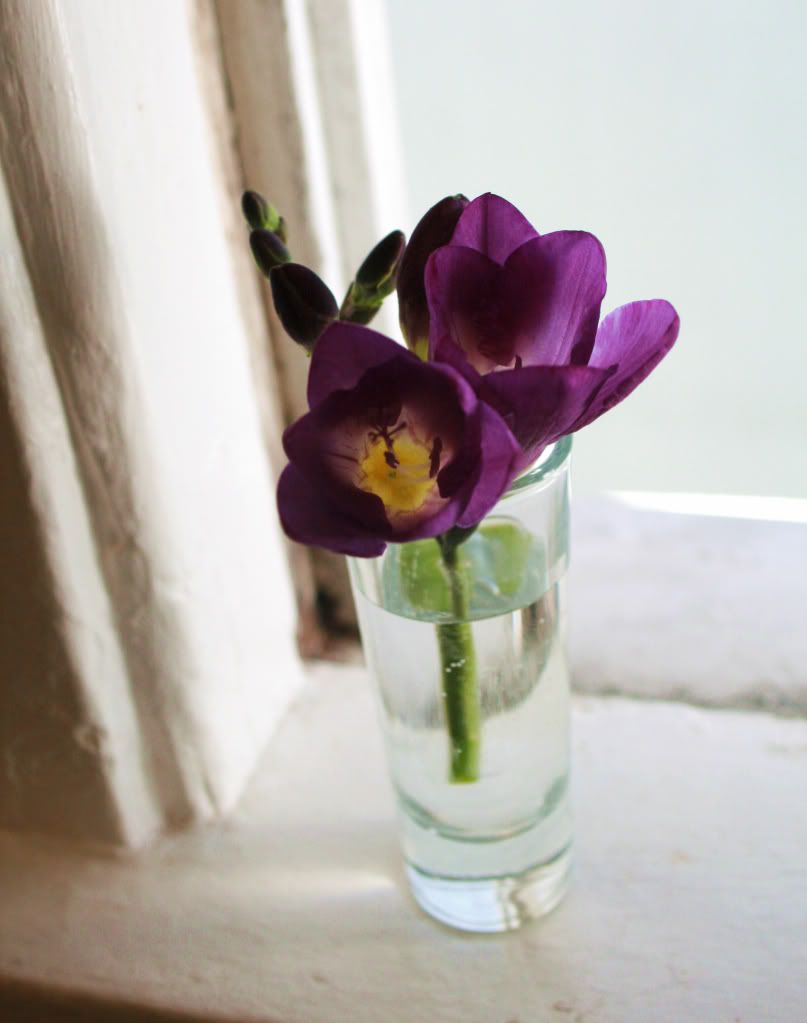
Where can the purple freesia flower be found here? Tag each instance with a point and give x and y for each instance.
(517, 314)
(392, 449)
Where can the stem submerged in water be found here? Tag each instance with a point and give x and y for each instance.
(458, 663)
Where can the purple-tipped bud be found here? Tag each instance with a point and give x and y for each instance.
(433, 230)
(268, 250)
(375, 279)
(259, 213)
(379, 271)
(303, 302)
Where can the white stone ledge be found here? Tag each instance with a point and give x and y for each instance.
(706, 607)
(688, 903)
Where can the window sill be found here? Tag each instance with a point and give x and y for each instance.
(295, 909)
(688, 897)
(691, 597)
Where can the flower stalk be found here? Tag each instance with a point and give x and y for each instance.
(458, 668)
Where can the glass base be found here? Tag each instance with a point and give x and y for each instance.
(491, 904)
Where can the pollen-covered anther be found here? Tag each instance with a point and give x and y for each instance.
(434, 457)
(397, 467)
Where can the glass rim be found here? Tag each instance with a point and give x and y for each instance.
(548, 464)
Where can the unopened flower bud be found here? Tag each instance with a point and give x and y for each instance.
(375, 279)
(262, 214)
(434, 230)
(379, 270)
(268, 250)
(304, 303)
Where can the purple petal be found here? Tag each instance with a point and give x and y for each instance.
(445, 352)
(432, 525)
(542, 403)
(498, 463)
(542, 306)
(489, 311)
(325, 446)
(309, 517)
(570, 266)
(492, 226)
(632, 340)
(342, 356)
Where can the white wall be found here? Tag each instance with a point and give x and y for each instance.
(677, 133)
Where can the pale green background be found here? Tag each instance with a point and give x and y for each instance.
(677, 133)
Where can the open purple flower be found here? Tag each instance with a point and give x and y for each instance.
(392, 449)
(517, 314)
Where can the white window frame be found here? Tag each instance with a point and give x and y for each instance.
(136, 320)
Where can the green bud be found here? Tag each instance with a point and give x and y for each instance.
(262, 214)
(303, 302)
(375, 279)
(268, 250)
(379, 270)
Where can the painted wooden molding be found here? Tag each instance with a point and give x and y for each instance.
(139, 480)
(360, 123)
(69, 733)
(313, 640)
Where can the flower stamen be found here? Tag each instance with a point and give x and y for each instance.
(399, 467)
(434, 457)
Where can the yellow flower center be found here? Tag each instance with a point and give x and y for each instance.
(400, 470)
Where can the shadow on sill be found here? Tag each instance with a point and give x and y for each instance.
(28, 1003)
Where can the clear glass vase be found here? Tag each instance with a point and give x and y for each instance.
(475, 708)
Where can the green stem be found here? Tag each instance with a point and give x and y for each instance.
(458, 663)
